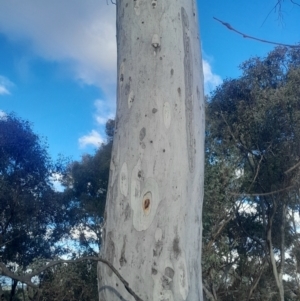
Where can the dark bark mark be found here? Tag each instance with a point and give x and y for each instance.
(179, 91)
(169, 272)
(158, 249)
(154, 3)
(127, 212)
(176, 248)
(110, 251)
(123, 260)
(142, 134)
(188, 78)
(199, 97)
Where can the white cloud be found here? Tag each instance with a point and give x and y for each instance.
(93, 139)
(3, 90)
(80, 34)
(104, 111)
(211, 80)
(5, 84)
(2, 115)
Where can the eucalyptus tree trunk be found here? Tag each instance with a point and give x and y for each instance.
(153, 228)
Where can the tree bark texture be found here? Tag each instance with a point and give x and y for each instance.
(153, 226)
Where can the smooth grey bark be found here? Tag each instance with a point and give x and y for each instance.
(153, 225)
(277, 275)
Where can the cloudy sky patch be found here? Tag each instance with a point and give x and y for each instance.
(211, 80)
(91, 139)
(81, 36)
(5, 85)
(104, 111)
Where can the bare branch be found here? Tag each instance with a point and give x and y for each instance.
(292, 168)
(27, 278)
(253, 38)
(263, 194)
(295, 2)
(257, 171)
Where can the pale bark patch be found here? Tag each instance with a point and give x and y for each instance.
(167, 114)
(124, 179)
(137, 7)
(130, 99)
(182, 278)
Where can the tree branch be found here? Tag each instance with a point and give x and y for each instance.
(27, 278)
(262, 194)
(292, 168)
(253, 38)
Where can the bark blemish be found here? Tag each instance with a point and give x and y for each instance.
(110, 251)
(124, 179)
(158, 249)
(176, 248)
(172, 72)
(154, 110)
(188, 79)
(121, 77)
(166, 282)
(142, 134)
(154, 3)
(199, 97)
(147, 203)
(167, 114)
(169, 272)
(123, 260)
(179, 91)
(182, 279)
(127, 212)
(155, 43)
(143, 203)
(136, 5)
(158, 234)
(154, 271)
(130, 99)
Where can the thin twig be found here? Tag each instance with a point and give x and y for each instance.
(262, 194)
(292, 168)
(295, 2)
(253, 38)
(27, 278)
(257, 171)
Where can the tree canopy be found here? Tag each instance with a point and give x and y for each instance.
(36, 220)
(251, 211)
(28, 204)
(253, 134)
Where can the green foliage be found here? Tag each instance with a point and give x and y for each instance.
(70, 282)
(252, 178)
(28, 204)
(34, 217)
(85, 185)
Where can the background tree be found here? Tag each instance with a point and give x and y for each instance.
(31, 215)
(85, 186)
(254, 128)
(70, 282)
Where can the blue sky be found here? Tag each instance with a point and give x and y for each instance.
(58, 60)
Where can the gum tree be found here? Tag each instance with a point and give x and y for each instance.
(153, 231)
